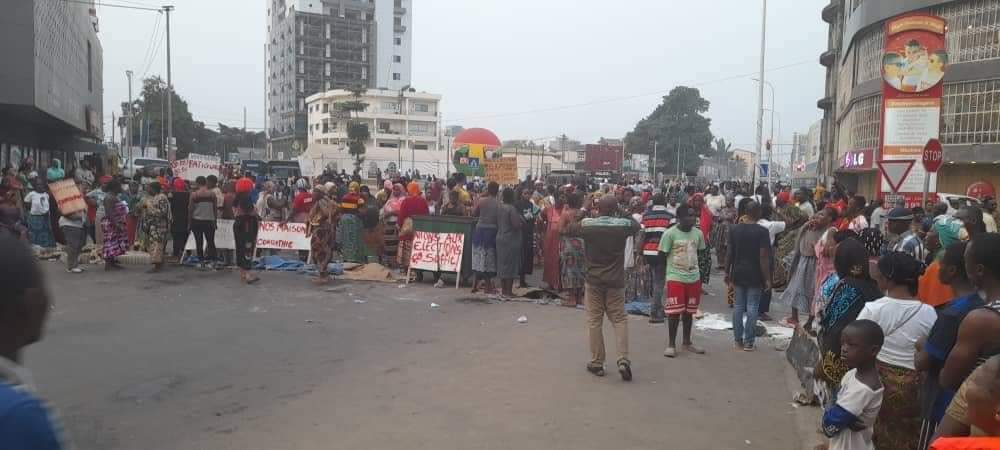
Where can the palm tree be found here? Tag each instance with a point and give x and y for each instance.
(357, 132)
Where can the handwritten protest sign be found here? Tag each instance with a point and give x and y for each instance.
(196, 166)
(501, 170)
(437, 252)
(67, 196)
(270, 235)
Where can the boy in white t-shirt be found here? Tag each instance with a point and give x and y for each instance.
(848, 423)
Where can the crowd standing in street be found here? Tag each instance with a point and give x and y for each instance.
(900, 306)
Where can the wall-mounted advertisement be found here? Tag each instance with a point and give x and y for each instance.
(913, 67)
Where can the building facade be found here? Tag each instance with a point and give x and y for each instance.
(51, 86)
(852, 105)
(320, 45)
(405, 130)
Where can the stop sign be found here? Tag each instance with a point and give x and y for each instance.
(933, 156)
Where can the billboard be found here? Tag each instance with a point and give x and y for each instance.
(603, 158)
(913, 67)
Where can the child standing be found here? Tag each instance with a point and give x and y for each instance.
(39, 227)
(849, 422)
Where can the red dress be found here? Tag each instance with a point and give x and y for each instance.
(551, 275)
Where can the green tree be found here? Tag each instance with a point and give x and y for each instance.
(678, 125)
(151, 109)
(357, 132)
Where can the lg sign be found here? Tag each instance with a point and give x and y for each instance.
(857, 160)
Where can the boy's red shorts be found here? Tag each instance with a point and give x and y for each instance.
(682, 298)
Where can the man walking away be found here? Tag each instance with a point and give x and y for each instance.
(604, 240)
(748, 270)
(25, 419)
(681, 245)
(655, 222)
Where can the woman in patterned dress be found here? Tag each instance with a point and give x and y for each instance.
(113, 226)
(551, 217)
(321, 228)
(571, 253)
(156, 217)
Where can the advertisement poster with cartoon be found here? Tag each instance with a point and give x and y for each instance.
(913, 67)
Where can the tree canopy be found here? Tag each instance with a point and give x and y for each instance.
(678, 124)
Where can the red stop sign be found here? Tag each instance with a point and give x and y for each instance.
(933, 155)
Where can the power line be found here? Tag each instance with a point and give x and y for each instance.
(152, 41)
(112, 5)
(156, 51)
(630, 97)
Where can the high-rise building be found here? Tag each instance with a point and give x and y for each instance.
(970, 104)
(320, 45)
(51, 88)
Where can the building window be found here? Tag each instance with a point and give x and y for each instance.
(971, 113)
(302, 66)
(397, 22)
(326, 127)
(397, 59)
(327, 68)
(869, 53)
(383, 127)
(326, 107)
(301, 105)
(421, 107)
(302, 85)
(390, 106)
(327, 50)
(328, 85)
(328, 30)
(396, 76)
(420, 146)
(861, 128)
(364, 73)
(972, 30)
(398, 40)
(90, 67)
(388, 145)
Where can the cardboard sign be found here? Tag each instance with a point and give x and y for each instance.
(437, 252)
(501, 170)
(67, 196)
(270, 235)
(199, 166)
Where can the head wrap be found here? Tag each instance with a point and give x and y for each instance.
(354, 187)
(55, 173)
(179, 185)
(413, 188)
(300, 184)
(245, 185)
(350, 201)
(105, 180)
(785, 197)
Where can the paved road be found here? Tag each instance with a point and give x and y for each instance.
(193, 360)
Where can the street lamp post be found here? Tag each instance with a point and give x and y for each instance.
(760, 91)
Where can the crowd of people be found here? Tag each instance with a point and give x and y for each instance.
(903, 304)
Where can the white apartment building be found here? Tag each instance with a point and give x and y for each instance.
(405, 131)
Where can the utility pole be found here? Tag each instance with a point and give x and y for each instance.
(655, 178)
(678, 159)
(128, 120)
(760, 91)
(171, 152)
(563, 140)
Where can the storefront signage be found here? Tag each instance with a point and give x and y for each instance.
(913, 67)
(857, 160)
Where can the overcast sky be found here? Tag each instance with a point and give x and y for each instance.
(519, 67)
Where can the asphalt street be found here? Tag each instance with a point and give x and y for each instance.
(194, 360)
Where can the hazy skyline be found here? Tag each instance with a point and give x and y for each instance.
(524, 69)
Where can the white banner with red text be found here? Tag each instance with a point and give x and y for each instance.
(270, 235)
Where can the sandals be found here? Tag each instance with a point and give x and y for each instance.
(596, 370)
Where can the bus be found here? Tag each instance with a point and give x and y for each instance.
(283, 170)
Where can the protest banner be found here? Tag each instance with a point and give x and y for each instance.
(502, 170)
(437, 252)
(270, 235)
(67, 196)
(196, 166)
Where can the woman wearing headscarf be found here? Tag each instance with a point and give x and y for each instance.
(845, 293)
(802, 283)
(720, 232)
(785, 242)
(391, 224)
(113, 226)
(945, 231)
(349, 230)
(529, 212)
(55, 172)
(551, 217)
(413, 205)
(156, 214)
(180, 202)
(302, 204)
(321, 229)
(572, 252)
